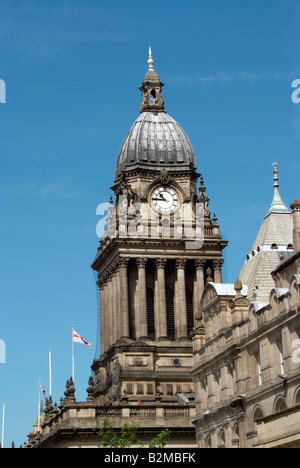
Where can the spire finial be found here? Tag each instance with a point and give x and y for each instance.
(151, 90)
(150, 60)
(277, 205)
(275, 172)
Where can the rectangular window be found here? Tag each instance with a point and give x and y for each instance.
(259, 371)
(281, 359)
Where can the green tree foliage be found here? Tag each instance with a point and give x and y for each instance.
(128, 436)
(161, 439)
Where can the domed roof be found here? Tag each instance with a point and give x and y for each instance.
(155, 140)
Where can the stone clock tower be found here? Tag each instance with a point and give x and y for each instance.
(152, 265)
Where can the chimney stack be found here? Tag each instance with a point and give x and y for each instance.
(296, 222)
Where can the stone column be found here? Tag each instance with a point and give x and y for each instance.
(110, 309)
(104, 333)
(100, 283)
(114, 305)
(161, 312)
(217, 265)
(181, 306)
(142, 321)
(199, 284)
(118, 300)
(124, 298)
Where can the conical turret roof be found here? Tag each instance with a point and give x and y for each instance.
(272, 244)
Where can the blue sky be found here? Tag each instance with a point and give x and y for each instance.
(72, 71)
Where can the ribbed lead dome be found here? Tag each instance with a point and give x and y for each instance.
(157, 140)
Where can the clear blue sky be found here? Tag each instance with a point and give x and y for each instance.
(72, 71)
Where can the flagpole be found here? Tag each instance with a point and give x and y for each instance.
(50, 373)
(39, 414)
(3, 422)
(73, 355)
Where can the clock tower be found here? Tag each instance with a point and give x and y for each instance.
(160, 248)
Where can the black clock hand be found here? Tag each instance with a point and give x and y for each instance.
(159, 199)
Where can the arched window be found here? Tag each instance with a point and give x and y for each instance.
(189, 310)
(150, 314)
(297, 397)
(257, 414)
(170, 313)
(152, 96)
(280, 405)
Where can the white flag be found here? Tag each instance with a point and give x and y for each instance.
(79, 339)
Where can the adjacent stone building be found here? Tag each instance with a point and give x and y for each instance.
(246, 349)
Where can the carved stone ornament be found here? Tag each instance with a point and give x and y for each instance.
(209, 296)
(116, 379)
(138, 361)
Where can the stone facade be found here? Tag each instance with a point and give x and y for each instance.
(246, 366)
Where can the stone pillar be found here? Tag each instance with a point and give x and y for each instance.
(105, 332)
(296, 222)
(161, 312)
(114, 305)
(217, 265)
(124, 298)
(181, 311)
(142, 321)
(110, 309)
(102, 316)
(198, 284)
(118, 300)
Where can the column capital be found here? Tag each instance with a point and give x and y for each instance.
(200, 263)
(217, 263)
(141, 262)
(123, 262)
(101, 284)
(160, 262)
(116, 265)
(180, 263)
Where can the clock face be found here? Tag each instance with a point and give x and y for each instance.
(164, 199)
